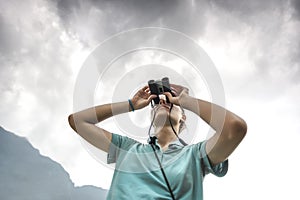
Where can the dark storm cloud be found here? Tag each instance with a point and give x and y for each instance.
(104, 18)
(296, 5)
(244, 7)
(268, 29)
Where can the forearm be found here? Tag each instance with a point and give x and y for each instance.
(216, 116)
(230, 129)
(99, 113)
(83, 122)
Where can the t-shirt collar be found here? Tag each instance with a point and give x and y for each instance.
(171, 144)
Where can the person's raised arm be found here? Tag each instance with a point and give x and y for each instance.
(230, 128)
(83, 122)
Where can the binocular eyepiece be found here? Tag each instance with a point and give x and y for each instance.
(158, 87)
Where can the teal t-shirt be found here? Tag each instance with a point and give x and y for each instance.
(137, 174)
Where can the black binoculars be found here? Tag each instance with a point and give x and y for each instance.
(159, 87)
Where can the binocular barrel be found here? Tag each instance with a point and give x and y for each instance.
(159, 87)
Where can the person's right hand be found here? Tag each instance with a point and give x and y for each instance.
(142, 98)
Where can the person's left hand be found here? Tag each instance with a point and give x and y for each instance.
(180, 92)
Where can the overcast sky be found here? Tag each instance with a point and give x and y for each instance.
(254, 45)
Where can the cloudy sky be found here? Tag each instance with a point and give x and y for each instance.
(254, 45)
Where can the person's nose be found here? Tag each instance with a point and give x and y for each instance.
(162, 99)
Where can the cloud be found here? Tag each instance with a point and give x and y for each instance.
(36, 75)
(296, 5)
(9, 39)
(248, 8)
(254, 44)
(255, 49)
(97, 20)
(274, 33)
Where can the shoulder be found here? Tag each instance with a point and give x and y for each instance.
(201, 153)
(198, 147)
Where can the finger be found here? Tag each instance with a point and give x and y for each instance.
(173, 85)
(186, 90)
(145, 88)
(174, 89)
(175, 93)
(176, 86)
(169, 95)
(178, 89)
(151, 97)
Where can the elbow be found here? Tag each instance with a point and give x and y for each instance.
(72, 122)
(238, 128)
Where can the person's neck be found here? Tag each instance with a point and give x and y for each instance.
(165, 136)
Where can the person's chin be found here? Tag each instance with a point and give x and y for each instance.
(163, 108)
(162, 112)
(161, 116)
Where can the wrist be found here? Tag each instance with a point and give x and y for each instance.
(131, 106)
(188, 102)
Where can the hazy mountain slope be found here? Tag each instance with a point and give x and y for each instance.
(25, 174)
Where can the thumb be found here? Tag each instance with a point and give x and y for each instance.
(169, 95)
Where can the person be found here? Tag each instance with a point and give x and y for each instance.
(166, 168)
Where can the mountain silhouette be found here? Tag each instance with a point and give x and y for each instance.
(27, 175)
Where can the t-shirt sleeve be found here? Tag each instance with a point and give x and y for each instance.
(118, 143)
(219, 170)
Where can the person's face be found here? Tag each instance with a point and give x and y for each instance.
(162, 111)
